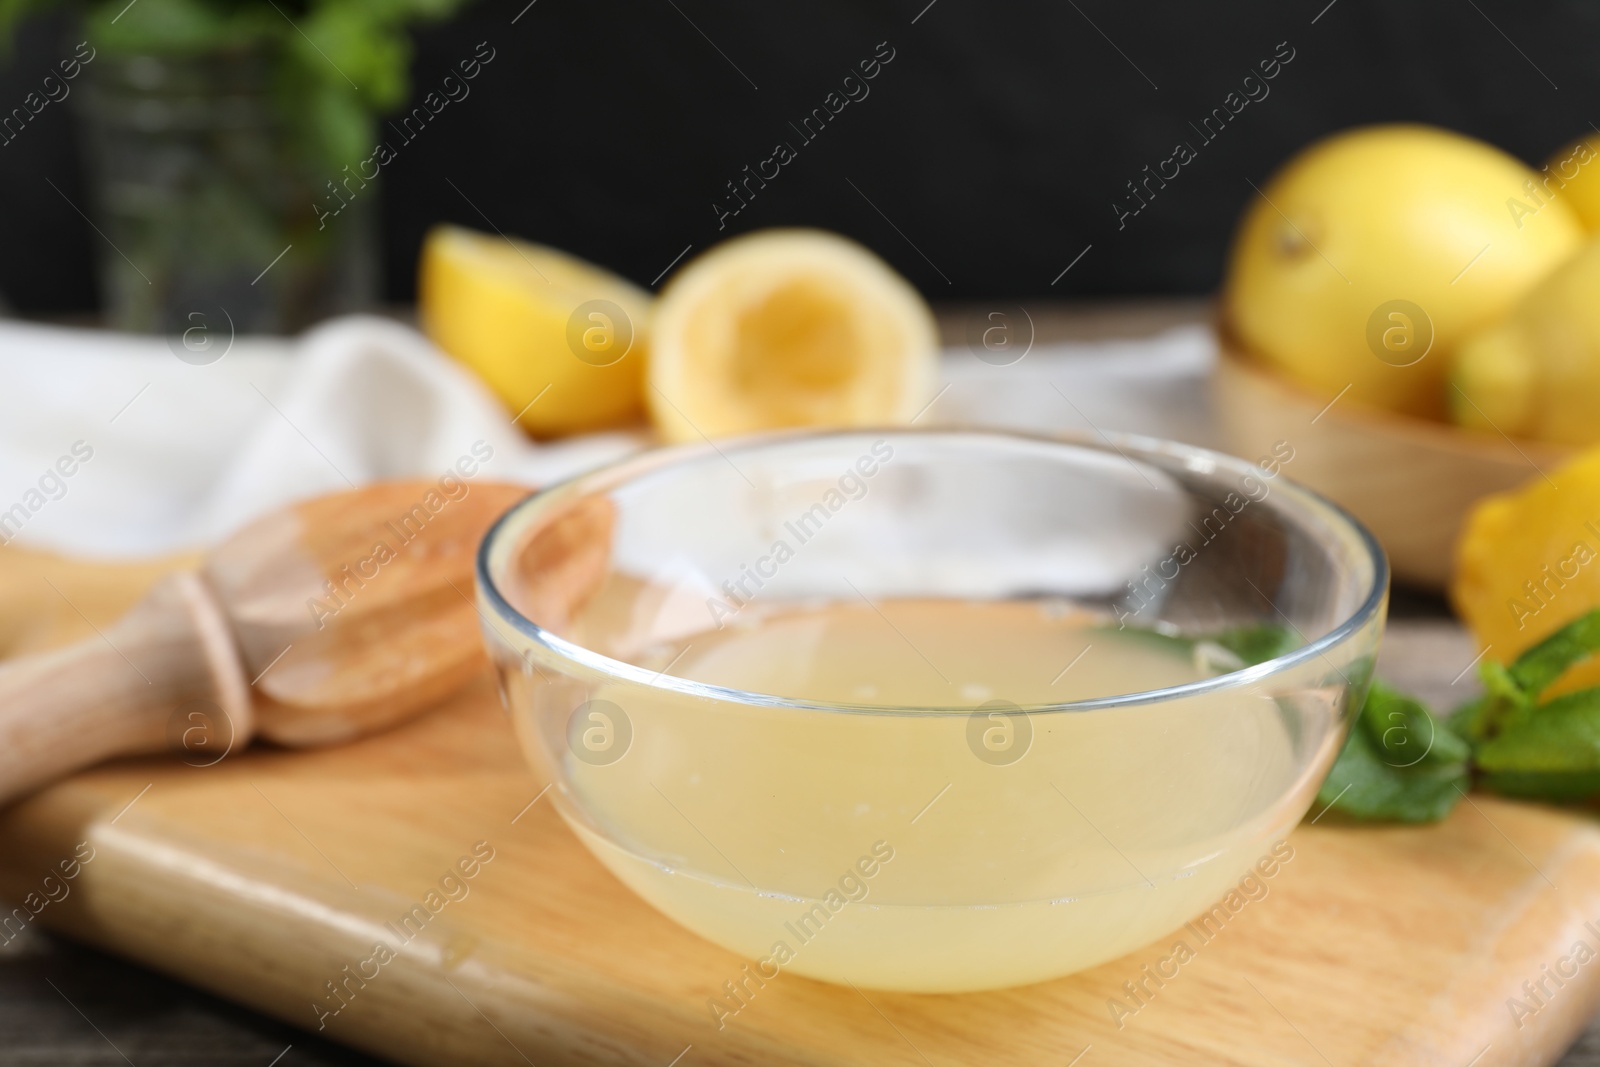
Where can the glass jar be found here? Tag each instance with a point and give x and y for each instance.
(206, 200)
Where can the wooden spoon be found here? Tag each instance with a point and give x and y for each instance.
(330, 619)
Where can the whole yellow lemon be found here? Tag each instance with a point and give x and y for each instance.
(1372, 253)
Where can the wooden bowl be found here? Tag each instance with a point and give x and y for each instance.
(1410, 480)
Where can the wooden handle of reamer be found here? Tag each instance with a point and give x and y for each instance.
(141, 686)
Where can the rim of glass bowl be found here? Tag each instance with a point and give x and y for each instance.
(1129, 446)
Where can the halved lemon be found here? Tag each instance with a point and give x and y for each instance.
(558, 339)
(784, 328)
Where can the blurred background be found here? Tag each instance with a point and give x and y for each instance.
(994, 145)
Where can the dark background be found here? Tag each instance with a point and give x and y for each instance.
(992, 146)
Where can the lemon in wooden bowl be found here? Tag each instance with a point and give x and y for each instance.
(1356, 273)
(1368, 257)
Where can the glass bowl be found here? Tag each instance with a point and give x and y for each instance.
(933, 710)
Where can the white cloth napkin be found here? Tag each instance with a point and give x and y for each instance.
(112, 447)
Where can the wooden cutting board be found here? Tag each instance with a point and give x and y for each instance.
(264, 876)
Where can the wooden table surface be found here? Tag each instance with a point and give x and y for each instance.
(63, 1005)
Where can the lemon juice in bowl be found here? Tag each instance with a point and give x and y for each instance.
(943, 732)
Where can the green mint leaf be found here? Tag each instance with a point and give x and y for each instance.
(1561, 737)
(1503, 703)
(339, 130)
(1535, 670)
(1469, 721)
(1406, 733)
(1257, 643)
(1400, 764)
(1224, 650)
(344, 46)
(1362, 785)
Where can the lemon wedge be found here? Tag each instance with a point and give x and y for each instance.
(783, 328)
(1526, 564)
(559, 340)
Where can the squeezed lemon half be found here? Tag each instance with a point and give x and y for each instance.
(784, 328)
